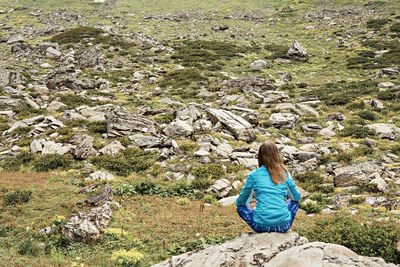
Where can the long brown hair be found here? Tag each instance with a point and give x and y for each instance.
(268, 156)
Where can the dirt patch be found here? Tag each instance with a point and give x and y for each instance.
(11, 180)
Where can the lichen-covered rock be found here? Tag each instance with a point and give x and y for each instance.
(385, 130)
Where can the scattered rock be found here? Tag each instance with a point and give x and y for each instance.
(297, 50)
(178, 129)
(113, 148)
(84, 146)
(100, 175)
(259, 64)
(283, 120)
(385, 130)
(120, 123)
(238, 126)
(221, 187)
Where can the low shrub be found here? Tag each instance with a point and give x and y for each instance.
(207, 174)
(17, 197)
(52, 162)
(356, 200)
(377, 24)
(311, 207)
(368, 239)
(30, 247)
(126, 162)
(182, 78)
(312, 182)
(395, 27)
(368, 115)
(356, 131)
(15, 163)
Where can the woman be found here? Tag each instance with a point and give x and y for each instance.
(271, 182)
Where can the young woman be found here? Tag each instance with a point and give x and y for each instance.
(271, 182)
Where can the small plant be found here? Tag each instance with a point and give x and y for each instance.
(181, 78)
(116, 233)
(356, 131)
(17, 197)
(312, 182)
(183, 201)
(127, 258)
(29, 247)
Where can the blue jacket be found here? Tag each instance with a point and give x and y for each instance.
(271, 209)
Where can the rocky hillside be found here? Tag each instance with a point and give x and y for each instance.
(138, 104)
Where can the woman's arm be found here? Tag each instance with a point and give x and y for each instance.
(247, 192)
(292, 191)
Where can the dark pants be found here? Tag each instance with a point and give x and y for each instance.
(246, 213)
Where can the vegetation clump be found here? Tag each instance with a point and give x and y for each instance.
(181, 78)
(126, 162)
(312, 182)
(127, 258)
(17, 197)
(207, 55)
(377, 24)
(207, 174)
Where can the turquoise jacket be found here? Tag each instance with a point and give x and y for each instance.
(271, 209)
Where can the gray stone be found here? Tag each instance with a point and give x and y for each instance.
(16, 39)
(55, 106)
(178, 129)
(113, 148)
(297, 50)
(228, 201)
(84, 146)
(283, 120)
(385, 130)
(120, 123)
(238, 126)
(221, 187)
(100, 175)
(146, 141)
(52, 53)
(7, 103)
(202, 125)
(259, 64)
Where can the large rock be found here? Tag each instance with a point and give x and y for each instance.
(90, 113)
(90, 58)
(385, 130)
(147, 141)
(84, 146)
(179, 129)
(259, 64)
(283, 120)
(272, 250)
(238, 126)
(7, 103)
(120, 123)
(113, 148)
(40, 123)
(297, 50)
(89, 226)
(221, 187)
(354, 173)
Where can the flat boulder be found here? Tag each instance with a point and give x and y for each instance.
(237, 125)
(120, 123)
(271, 250)
(385, 130)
